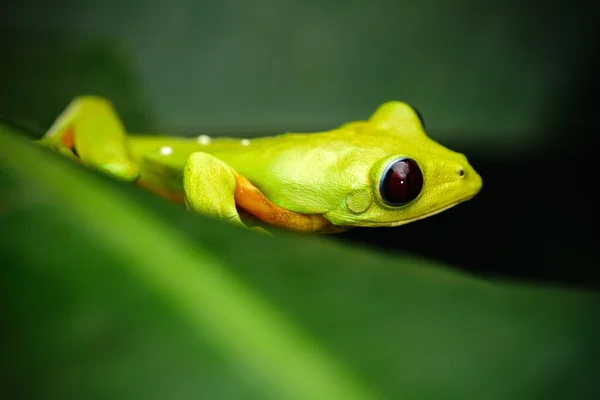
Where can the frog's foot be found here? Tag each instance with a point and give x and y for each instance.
(90, 132)
(214, 189)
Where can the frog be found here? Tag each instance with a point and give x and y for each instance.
(381, 171)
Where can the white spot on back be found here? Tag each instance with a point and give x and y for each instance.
(204, 140)
(244, 142)
(166, 150)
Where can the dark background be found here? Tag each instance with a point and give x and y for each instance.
(512, 85)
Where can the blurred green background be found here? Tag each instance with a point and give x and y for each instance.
(488, 74)
(96, 306)
(512, 85)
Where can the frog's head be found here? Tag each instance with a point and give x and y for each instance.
(413, 177)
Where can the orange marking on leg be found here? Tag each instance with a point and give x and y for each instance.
(162, 192)
(250, 199)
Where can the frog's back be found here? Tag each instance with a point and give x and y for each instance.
(161, 159)
(174, 151)
(280, 166)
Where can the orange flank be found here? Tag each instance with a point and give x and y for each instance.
(251, 200)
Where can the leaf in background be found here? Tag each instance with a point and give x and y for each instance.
(113, 293)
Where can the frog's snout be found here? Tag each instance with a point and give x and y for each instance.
(470, 177)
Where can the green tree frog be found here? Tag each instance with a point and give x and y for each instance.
(380, 172)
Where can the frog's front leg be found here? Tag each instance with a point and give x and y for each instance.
(214, 189)
(89, 131)
(210, 186)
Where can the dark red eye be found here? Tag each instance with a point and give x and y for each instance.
(401, 183)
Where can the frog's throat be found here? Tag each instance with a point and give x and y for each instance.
(373, 224)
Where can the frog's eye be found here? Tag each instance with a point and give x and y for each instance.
(401, 183)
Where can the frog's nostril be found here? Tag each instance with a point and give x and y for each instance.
(461, 172)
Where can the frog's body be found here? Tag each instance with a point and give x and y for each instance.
(318, 182)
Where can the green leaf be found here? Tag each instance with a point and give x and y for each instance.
(113, 293)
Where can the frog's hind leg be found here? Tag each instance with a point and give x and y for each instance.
(89, 131)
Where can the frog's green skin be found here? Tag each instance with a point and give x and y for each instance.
(332, 175)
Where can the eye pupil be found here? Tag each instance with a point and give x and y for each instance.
(401, 183)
